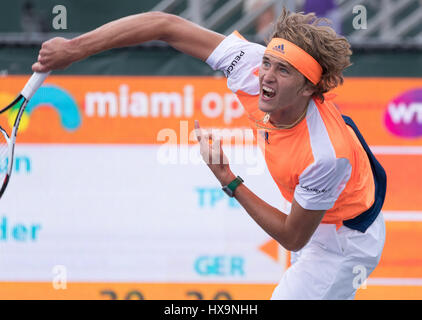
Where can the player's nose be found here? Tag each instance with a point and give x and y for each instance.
(268, 76)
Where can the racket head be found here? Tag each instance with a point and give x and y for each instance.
(7, 142)
(6, 160)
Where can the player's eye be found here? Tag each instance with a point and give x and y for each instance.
(283, 70)
(266, 64)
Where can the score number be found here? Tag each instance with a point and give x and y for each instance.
(138, 295)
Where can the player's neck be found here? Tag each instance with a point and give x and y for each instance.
(290, 115)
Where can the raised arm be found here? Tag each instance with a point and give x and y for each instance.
(183, 35)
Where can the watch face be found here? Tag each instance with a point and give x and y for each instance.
(228, 191)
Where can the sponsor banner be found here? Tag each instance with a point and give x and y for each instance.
(56, 290)
(157, 110)
(113, 213)
(142, 110)
(388, 111)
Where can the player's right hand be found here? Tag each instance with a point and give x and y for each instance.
(55, 54)
(213, 155)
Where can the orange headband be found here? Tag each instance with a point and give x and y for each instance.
(297, 57)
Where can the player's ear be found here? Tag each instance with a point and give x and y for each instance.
(308, 89)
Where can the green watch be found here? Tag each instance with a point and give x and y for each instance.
(229, 189)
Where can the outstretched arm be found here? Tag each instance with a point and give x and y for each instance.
(181, 34)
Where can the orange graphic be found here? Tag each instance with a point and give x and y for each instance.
(271, 249)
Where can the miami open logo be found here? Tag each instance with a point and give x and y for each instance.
(403, 116)
(46, 96)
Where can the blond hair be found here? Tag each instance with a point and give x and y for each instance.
(320, 41)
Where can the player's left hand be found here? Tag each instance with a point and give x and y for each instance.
(213, 155)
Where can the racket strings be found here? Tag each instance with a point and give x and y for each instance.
(15, 110)
(4, 156)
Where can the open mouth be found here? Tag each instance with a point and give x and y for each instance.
(268, 92)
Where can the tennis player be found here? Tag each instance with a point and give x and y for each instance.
(317, 157)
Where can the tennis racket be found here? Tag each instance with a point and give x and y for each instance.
(7, 143)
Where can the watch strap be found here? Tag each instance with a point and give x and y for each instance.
(233, 185)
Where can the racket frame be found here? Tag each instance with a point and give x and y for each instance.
(27, 92)
(12, 138)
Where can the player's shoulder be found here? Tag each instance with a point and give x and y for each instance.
(234, 48)
(328, 136)
(239, 60)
